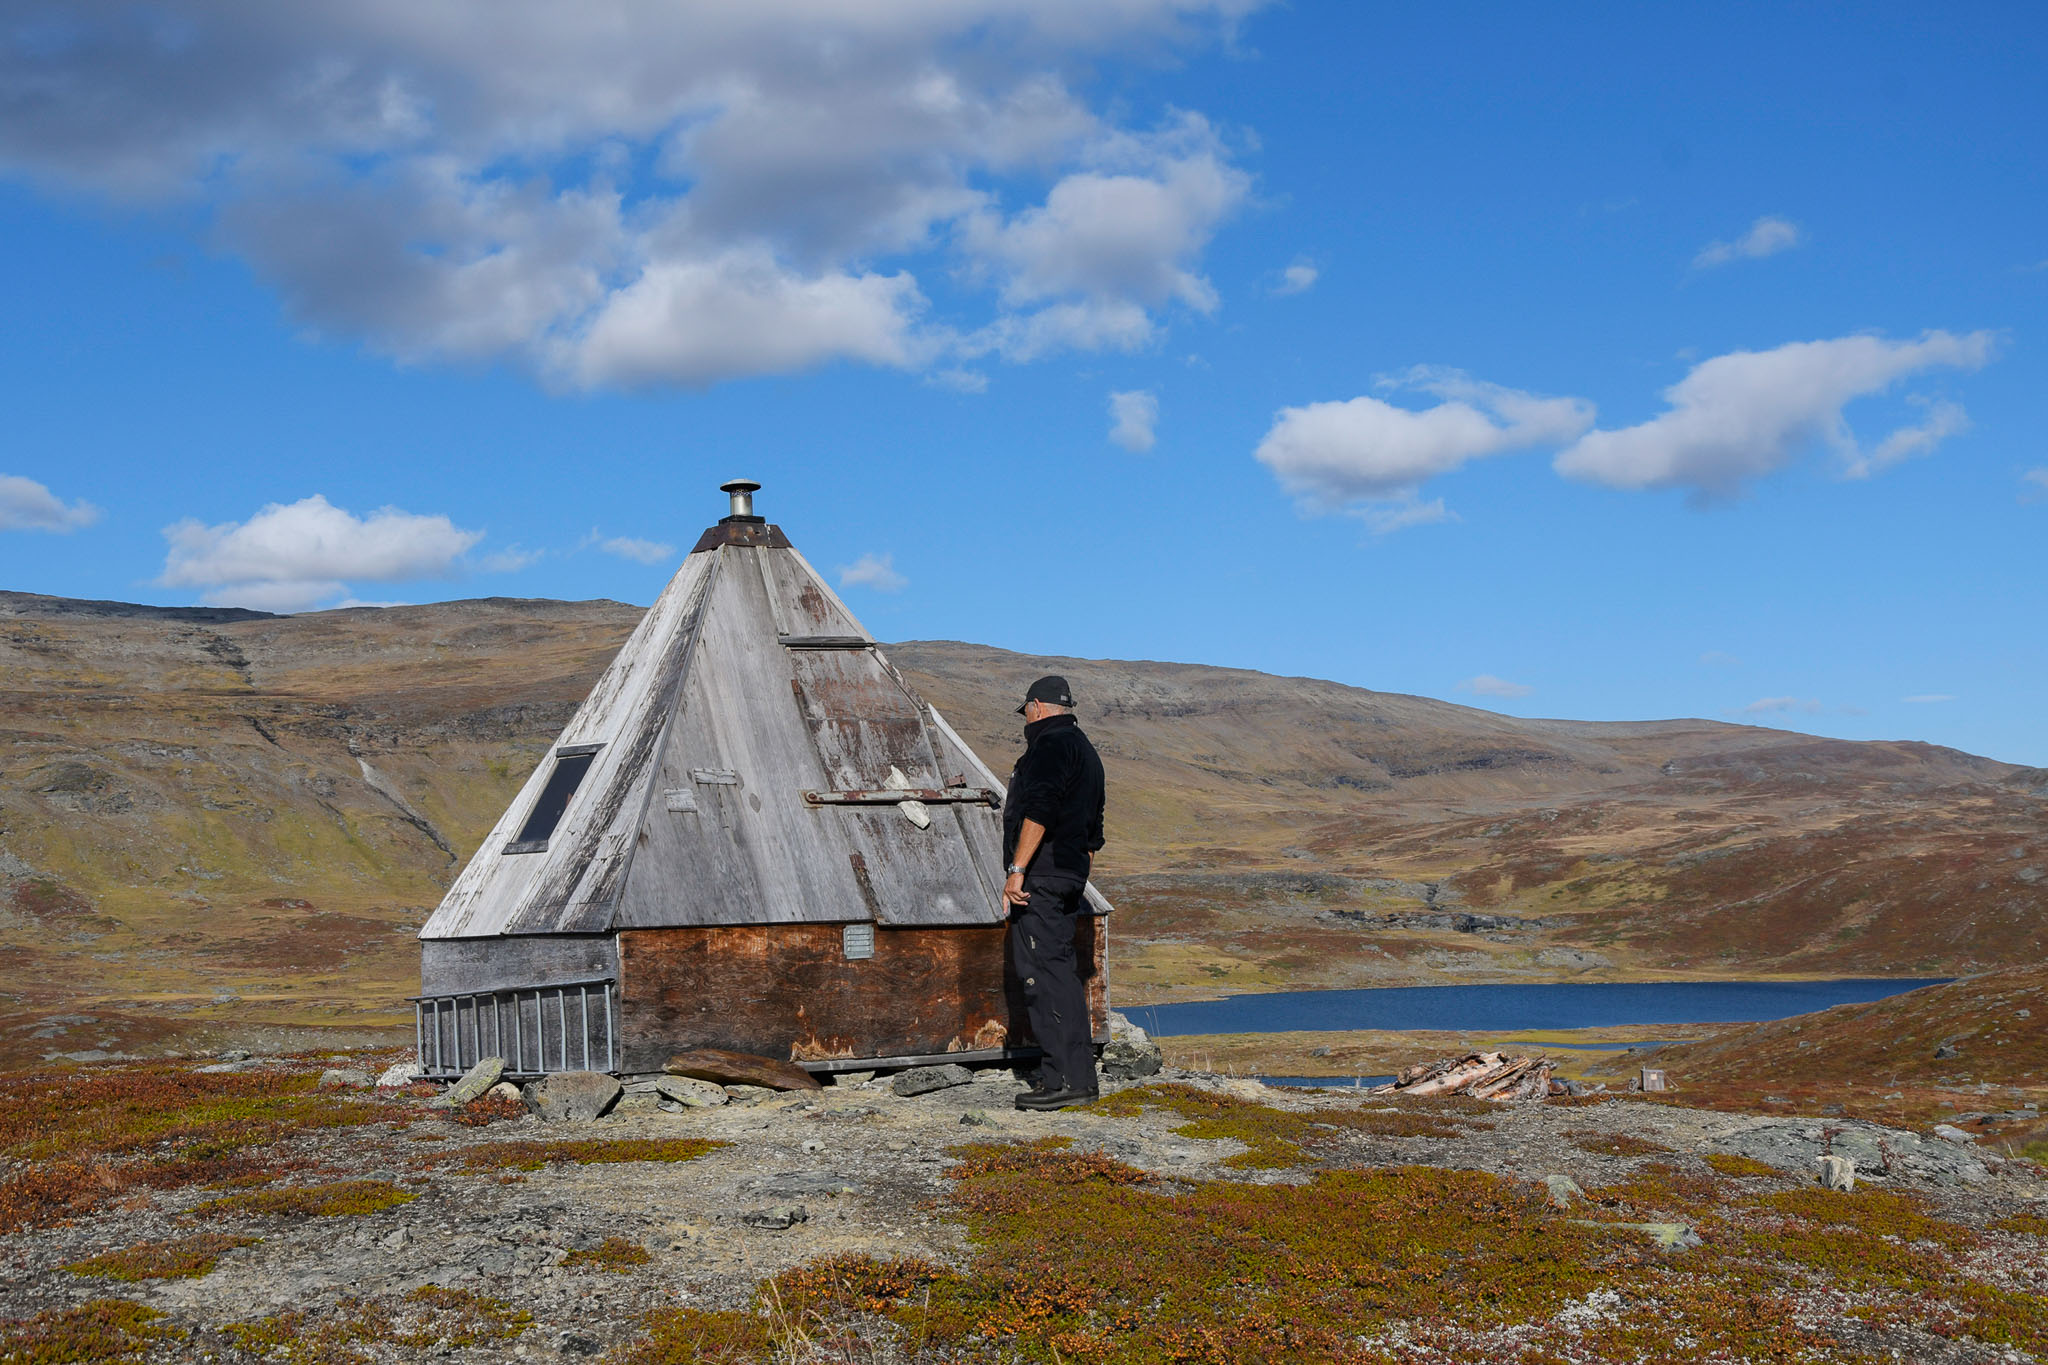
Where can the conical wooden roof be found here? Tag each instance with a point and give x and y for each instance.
(742, 761)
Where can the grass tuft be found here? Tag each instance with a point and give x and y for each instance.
(1730, 1164)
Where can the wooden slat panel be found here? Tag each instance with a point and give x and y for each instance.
(788, 991)
(497, 891)
(800, 603)
(754, 853)
(454, 966)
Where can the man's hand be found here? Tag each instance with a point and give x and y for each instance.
(1014, 892)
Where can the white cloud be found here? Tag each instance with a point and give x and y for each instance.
(1715, 658)
(1486, 685)
(26, 505)
(1928, 698)
(511, 559)
(1385, 518)
(1297, 278)
(640, 192)
(1767, 236)
(2039, 479)
(1132, 418)
(958, 380)
(1368, 450)
(1764, 706)
(699, 322)
(1944, 419)
(1743, 415)
(639, 551)
(290, 557)
(873, 571)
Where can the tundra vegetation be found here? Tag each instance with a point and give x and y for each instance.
(1187, 1219)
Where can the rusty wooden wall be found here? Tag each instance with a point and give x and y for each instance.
(788, 990)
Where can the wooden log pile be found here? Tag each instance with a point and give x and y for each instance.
(1482, 1075)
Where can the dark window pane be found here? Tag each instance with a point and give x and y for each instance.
(554, 798)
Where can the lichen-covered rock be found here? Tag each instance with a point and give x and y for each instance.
(1128, 1061)
(923, 1080)
(1838, 1173)
(345, 1078)
(399, 1075)
(1797, 1144)
(572, 1096)
(473, 1084)
(690, 1092)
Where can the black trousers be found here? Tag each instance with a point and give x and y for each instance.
(1055, 1001)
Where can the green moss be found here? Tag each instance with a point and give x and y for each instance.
(343, 1199)
(1729, 1164)
(181, 1259)
(615, 1254)
(1273, 1138)
(531, 1156)
(104, 1331)
(430, 1320)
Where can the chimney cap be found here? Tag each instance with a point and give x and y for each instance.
(742, 493)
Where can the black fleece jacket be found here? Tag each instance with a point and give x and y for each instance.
(1058, 783)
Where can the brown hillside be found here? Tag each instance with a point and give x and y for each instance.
(212, 817)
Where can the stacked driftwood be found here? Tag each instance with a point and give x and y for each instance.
(1482, 1075)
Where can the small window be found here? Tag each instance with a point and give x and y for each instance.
(570, 766)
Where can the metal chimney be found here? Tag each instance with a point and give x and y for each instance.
(742, 492)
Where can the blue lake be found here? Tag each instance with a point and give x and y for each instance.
(1502, 1009)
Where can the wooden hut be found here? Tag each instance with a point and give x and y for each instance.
(754, 836)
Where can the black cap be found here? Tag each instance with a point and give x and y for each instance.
(1053, 688)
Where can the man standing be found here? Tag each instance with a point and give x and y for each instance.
(1052, 825)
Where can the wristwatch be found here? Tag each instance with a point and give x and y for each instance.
(1014, 870)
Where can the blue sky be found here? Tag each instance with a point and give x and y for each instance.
(1605, 362)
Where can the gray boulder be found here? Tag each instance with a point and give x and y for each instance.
(1838, 1173)
(923, 1080)
(345, 1078)
(473, 1084)
(572, 1096)
(401, 1074)
(690, 1092)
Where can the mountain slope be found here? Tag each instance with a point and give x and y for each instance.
(211, 817)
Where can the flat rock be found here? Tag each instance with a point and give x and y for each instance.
(401, 1074)
(1793, 1144)
(747, 1094)
(690, 1092)
(473, 1084)
(345, 1078)
(776, 1218)
(740, 1068)
(572, 1096)
(1950, 1133)
(923, 1080)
